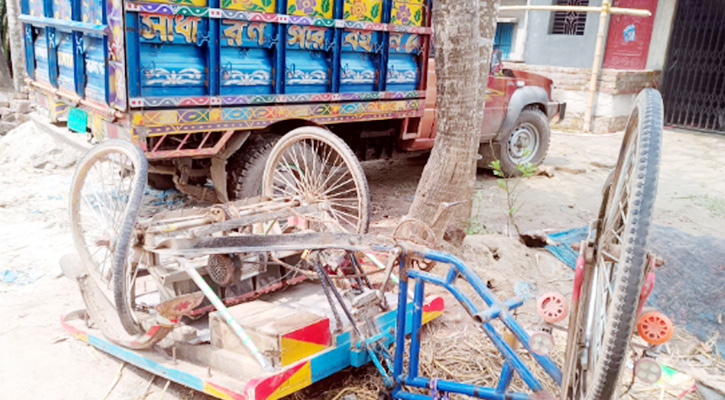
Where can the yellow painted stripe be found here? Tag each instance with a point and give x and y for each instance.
(209, 389)
(430, 315)
(300, 379)
(295, 350)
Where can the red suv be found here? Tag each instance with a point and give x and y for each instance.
(516, 120)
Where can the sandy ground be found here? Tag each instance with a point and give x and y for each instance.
(39, 360)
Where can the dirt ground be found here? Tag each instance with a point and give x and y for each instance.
(39, 360)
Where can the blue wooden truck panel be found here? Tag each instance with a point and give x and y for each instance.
(199, 48)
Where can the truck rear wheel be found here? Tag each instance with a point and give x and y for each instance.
(246, 167)
(527, 142)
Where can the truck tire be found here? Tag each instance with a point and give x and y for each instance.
(246, 167)
(161, 181)
(527, 142)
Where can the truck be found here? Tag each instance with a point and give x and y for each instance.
(204, 87)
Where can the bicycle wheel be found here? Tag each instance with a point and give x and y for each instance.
(107, 188)
(610, 290)
(317, 166)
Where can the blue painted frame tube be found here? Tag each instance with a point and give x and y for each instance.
(462, 298)
(488, 329)
(400, 326)
(410, 396)
(506, 374)
(452, 275)
(480, 287)
(416, 322)
(467, 389)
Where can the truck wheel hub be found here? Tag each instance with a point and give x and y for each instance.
(523, 143)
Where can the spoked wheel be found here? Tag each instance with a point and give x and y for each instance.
(611, 286)
(106, 193)
(317, 166)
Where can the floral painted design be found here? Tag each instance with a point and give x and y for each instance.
(306, 6)
(359, 9)
(250, 5)
(362, 10)
(310, 8)
(403, 15)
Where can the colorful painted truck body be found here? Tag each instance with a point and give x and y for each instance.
(188, 79)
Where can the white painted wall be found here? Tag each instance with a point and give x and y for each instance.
(664, 15)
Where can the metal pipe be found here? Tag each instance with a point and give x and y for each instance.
(596, 65)
(465, 388)
(415, 324)
(224, 312)
(108, 111)
(613, 10)
(604, 11)
(400, 325)
(507, 372)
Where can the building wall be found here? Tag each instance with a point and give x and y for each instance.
(657, 55)
(519, 19)
(617, 90)
(543, 48)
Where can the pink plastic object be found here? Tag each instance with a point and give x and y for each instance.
(552, 307)
(649, 284)
(578, 274)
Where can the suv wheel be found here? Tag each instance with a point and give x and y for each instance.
(527, 142)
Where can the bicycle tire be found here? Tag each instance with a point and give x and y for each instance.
(644, 131)
(112, 159)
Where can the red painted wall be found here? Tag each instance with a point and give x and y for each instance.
(629, 36)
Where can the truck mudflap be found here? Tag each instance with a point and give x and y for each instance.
(215, 381)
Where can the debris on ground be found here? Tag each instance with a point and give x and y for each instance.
(545, 170)
(571, 170)
(25, 148)
(21, 278)
(600, 164)
(538, 238)
(14, 110)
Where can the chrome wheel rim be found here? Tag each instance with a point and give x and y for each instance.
(523, 143)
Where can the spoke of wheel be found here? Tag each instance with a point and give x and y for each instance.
(347, 214)
(336, 165)
(336, 204)
(307, 175)
(285, 173)
(298, 167)
(337, 215)
(280, 176)
(338, 186)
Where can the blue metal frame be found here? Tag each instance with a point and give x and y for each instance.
(496, 310)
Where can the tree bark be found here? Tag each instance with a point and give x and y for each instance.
(5, 80)
(15, 33)
(464, 32)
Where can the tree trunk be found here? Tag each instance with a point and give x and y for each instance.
(5, 80)
(464, 32)
(15, 33)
